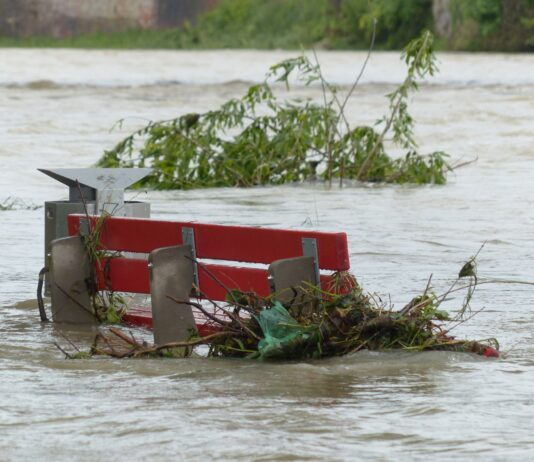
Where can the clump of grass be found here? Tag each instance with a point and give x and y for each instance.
(107, 305)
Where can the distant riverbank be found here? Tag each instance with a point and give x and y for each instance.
(491, 25)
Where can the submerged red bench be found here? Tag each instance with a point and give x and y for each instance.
(228, 246)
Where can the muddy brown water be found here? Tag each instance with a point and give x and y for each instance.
(57, 108)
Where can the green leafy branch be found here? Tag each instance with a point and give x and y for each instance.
(262, 139)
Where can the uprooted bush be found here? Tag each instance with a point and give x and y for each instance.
(316, 324)
(262, 139)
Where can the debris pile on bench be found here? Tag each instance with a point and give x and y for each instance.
(321, 325)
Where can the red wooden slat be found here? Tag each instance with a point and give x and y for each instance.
(220, 242)
(131, 275)
(232, 277)
(123, 275)
(139, 317)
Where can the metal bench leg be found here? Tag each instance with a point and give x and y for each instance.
(286, 279)
(171, 275)
(70, 272)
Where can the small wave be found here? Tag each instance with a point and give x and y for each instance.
(32, 85)
(433, 243)
(193, 81)
(54, 85)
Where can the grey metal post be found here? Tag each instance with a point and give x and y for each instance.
(288, 277)
(171, 277)
(69, 273)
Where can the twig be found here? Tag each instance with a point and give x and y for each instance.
(479, 250)
(442, 298)
(191, 343)
(84, 205)
(428, 285)
(204, 268)
(64, 292)
(461, 321)
(228, 291)
(463, 164)
(327, 125)
(124, 337)
(367, 162)
(69, 341)
(66, 353)
(422, 303)
(357, 81)
(224, 310)
(110, 346)
(201, 309)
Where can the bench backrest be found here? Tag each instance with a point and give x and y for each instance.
(211, 242)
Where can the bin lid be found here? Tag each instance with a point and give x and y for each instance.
(99, 179)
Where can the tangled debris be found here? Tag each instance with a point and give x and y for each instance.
(322, 325)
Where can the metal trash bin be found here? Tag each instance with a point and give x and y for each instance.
(95, 189)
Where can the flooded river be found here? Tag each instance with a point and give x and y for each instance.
(57, 108)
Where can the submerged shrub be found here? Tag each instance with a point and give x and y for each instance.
(259, 139)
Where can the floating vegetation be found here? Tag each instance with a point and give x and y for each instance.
(262, 139)
(16, 203)
(322, 325)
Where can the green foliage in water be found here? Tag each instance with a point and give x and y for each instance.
(259, 139)
(107, 306)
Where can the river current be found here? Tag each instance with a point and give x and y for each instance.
(57, 109)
